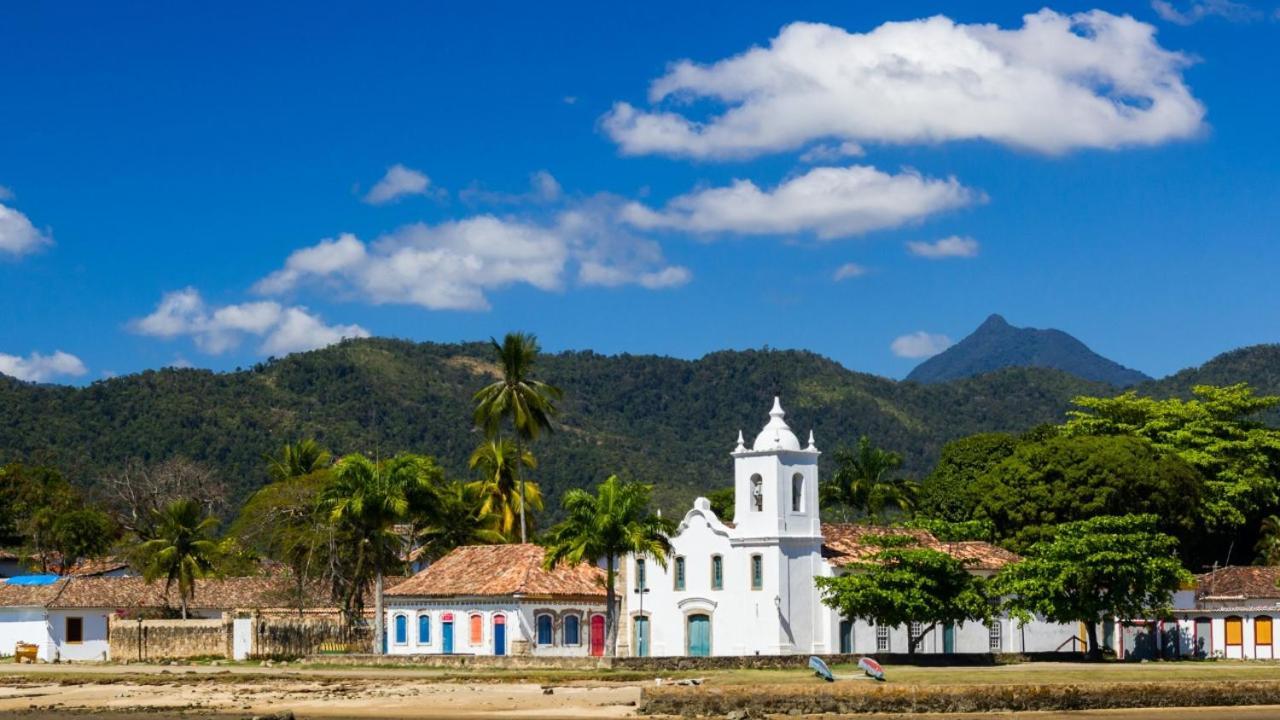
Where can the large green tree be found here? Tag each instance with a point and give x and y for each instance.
(948, 491)
(865, 482)
(1103, 567)
(81, 533)
(183, 549)
(614, 522)
(904, 582)
(1217, 432)
(1061, 479)
(369, 498)
(519, 398)
(500, 466)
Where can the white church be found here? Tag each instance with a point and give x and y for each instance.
(747, 587)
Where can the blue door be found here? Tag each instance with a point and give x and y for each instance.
(846, 637)
(699, 635)
(446, 632)
(642, 637)
(499, 635)
(948, 638)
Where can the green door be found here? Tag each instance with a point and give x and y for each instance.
(699, 635)
(948, 638)
(642, 636)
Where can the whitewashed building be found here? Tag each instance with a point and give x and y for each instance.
(1230, 613)
(747, 587)
(497, 600)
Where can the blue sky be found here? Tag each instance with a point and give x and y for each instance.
(212, 185)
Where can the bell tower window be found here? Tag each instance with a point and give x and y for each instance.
(797, 493)
(757, 492)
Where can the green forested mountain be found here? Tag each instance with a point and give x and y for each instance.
(667, 421)
(996, 344)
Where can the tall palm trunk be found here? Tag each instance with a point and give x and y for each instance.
(610, 610)
(524, 537)
(377, 608)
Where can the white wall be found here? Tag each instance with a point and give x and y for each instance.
(25, 625)
(520, 623)
(94, 643)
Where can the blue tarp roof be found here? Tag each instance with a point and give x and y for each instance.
(33, 580)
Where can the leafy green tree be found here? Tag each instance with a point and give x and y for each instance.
(722, 503)
(608, 525)
(83, 533)
(948, 531)
(864, 481)
(297, 459)
(35, 496)
(183, 549)
(1062, 479)
(903, 583)
(369, 499)
(1217, 432)
(460, 518)
(947, 493)
(1268, 547)
(499, 464)
(1106, 566)
(528, 403)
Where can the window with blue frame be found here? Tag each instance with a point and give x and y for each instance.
(679, 573)
(640, 578)
(544, 629)
(757, 572)
(402, 629)
(572, 630)
(717, 572)
(424, 629)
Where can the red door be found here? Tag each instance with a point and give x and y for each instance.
(597, 635)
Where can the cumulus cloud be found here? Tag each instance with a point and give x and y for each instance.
(848, 271)
(829, 202)
(17, 235)
(215, 330)
(1198, 10)
(954, 246)
(398, 182)
(42, 368)
(827, 152)
(1057, 83)
(919, 344)
(453, 265)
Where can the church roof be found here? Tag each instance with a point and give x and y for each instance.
(844, 543)
(501, 571)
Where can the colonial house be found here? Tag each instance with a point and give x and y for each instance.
(497, 600)
(1231, 612)
(747, 587)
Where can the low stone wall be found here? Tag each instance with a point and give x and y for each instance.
(851, 697)
(513, 662)
(149, 640)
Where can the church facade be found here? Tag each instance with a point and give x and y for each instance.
(747, 587)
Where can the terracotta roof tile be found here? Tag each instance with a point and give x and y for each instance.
(501, 570)
(1239, 581)
(845, 543)
(233, 593)
(29, 595)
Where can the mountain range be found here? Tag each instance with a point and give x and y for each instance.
(668, 421)
(997, 344)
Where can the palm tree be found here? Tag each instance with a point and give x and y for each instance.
(527, 402)
(296, 460)
(460, 518)
(498, 486)
(1268, 547)
(864, 481)
(183, 549)
(369, 498)
(609, 525)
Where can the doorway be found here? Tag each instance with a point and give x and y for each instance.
(642, 636)
(597, 635)
(499, 635)
(699, 633)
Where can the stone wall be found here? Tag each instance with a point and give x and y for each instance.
(150, 640)
(670, 664)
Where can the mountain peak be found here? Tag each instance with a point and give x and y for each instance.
(997, 344)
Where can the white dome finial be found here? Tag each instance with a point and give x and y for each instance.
(811, 447)
(742, 445)
(776, 435)
(777, 410)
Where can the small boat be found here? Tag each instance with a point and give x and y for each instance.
(871, 668)
(820, 668)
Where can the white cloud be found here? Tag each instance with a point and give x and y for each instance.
(543, 188)
(848, 271)
(827, 152)
(216, 330)
(827, 201)
(41, 368)
(919, 344)
(1198, 10)
(1059, 82)
(17, 235)
(398, 182)
(954, 246)
(453, 265)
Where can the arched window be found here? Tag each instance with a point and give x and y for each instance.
(640, 577)
(477, 629)
(572, 630)
(797, 493)
(717, 572)
(424, 629)
(757, 492)
(402, 629)
(757, 572)
(544, 629)
(679, 574)
(1262, 631)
